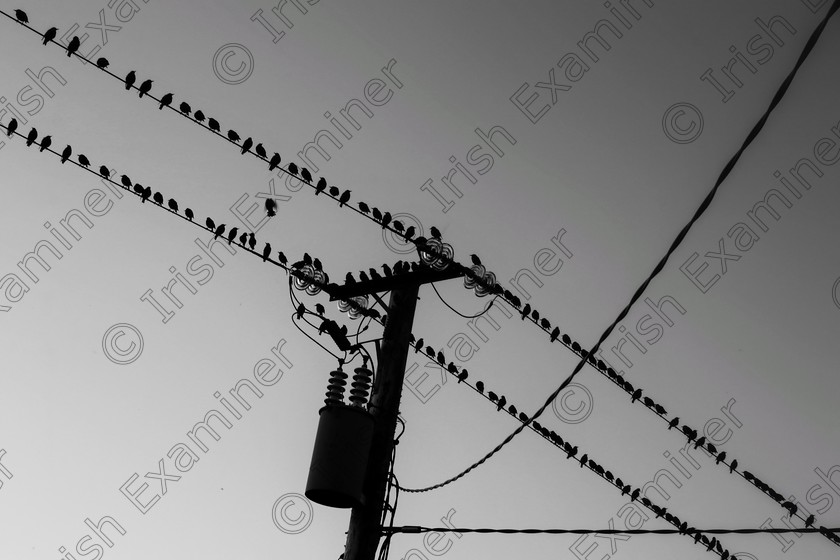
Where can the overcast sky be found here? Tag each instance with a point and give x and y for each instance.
(565, 143)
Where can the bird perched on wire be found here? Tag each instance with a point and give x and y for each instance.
(199, 116)
(50, 34)
(307, 176)
(274, 162)
(214, 125)
(145, 87)
(158, 198)
(21, 16)
(126, 180)
(147, 192)
(219, 231)
(211, 225)
(165, 101)
(281, 258)
(232, 235)
(102, 63)
(185, 108)
(172, 205)
(364, 208)
(45, 142)
(189, 214)
(260, 149)
(130, 78)
(319, 188)
(243, 239)
(252, 241)
(733, 465)
(233, 136)
(246, 145)
(501, 404)
(31, 137)
(83, 160)
(267, 252)
(65, 155)
(293, 169)
(104, 171)
(479, 385)
(73, 46)
(11, 127)
(434, 232)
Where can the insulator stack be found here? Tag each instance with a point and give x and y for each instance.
(361, 386)
(335, 389)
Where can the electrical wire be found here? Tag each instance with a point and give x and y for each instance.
(477, 315)
(661, 264)
(409, 529)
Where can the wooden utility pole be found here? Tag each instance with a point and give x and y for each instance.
(364, 532)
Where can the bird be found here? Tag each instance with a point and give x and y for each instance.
(293, 169)
(479, 385)
(165, 101)
(711, 448)
(158, 198)
(409, 232)
(125, 180)
(535, 315)
(252, 241)
(281, 258)
(219, 231)
(211, 225)
(271, 207)
(11, 127)
(102, 63)
(365, 209)
(45, 143)
(274, 162)
(83, 160)
(316, 264)
(185, 108)
(386, 219)
(493, 397)
(199, 115)
(700, 441)
(810, 520)
(138, 188)
(720, 458)
(733, 465)
(246, 145)
(213, 125)
(660, 409)
(398, 226)
(233, 136)
(50, 34)
(440, 357)
(673, 423)
(512, 410)
(583, 460)
(66, 153)
(260, 150)
(104, 171)
(243, 239)
(387, 270)
(172, 205)
(648, 402)
(189, 214)
(475, 260)
(554, 334)
(307, 176)
(344, 198)
(463, 375)
(130, 78)
(266, 252)
(145, 87)
(636, 395)
(635, 495)
(525, 311)
(31, 137)
(333, 191)
(21, 16)
(502, 402)
(319, 188)
(147, 192)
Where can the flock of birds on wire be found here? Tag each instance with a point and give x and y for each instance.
(248, 240)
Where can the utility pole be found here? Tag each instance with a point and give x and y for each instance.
(364, 532)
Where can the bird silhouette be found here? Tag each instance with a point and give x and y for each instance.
(570, 451)
(243, 239)
(265, 254)
(104, 171)
(319, 188)
(271, 207)
(673, 423)
(387, 270)
(307, 259)
(479, 385)
(211, 225)
(130, 78)
(344, 198)
(147, 192)
(83, 160)
(199, 115)
(281, 258)
(554, 334)
(219, 231)
(493, 397)
(165, 101)
(185, 108)
(386, 219)
(364, 208)
(50, 34)
(348, 279)
(636, 395)
(233, 136)
(274, 162)
(293, 169)
(720, 458)
(252, 241)
(158, 198)
(398, 226)
(125, 180)
(809, 522)
(307, 176)
(409, 232)
(660, 409)
(501, 404)
(333, 191)
(711, 448)
(45, 143)
(21, 16)
(189, 214)
(31, 137)
(377, 215)
(138, 188)
(434, 232)
(11, 127)
(214, 125)
(246, 145)
(316, 264)
(172, 205)
(583, 460)
(145, 87)
(66, 153)
(635, 495)
(525, 311)
(102, 63)
(733, 465)
(260, 150)
(700, 441)
(463, 375)
(648, 402)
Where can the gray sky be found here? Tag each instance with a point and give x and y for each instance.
(569, 193)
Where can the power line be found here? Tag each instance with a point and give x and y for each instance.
(414, 529)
